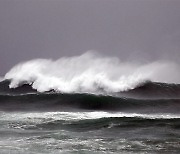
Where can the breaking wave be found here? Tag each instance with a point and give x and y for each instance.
(89, 73)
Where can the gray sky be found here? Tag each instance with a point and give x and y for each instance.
(129, 29)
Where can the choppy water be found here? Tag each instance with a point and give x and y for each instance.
(88, 132)
(142, 120)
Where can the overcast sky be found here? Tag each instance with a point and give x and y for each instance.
(138, 29)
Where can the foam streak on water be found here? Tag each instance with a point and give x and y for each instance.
(74, 116)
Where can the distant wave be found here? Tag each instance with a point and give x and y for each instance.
(89, 73)
(148, 98)
(75, 102)
(146, 90)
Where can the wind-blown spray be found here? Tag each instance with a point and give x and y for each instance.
(88, 72)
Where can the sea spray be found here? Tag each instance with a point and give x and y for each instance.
(1, 79)
(89, 72)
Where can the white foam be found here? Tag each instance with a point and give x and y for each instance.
(38, 117)
(90, 73)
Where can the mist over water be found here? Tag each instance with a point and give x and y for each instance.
(89, 72)
(1, 79)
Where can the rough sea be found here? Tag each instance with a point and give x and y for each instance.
(50, 122)
(90, 105)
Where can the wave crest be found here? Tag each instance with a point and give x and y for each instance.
(88, 72)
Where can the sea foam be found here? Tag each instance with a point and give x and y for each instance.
(89, 72)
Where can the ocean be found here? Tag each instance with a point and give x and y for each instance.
(90, 104)
(142, 120)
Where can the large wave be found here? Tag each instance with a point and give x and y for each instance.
(89, 72)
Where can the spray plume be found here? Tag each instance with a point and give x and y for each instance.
(90, 73)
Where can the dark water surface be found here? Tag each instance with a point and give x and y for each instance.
(142, 120)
